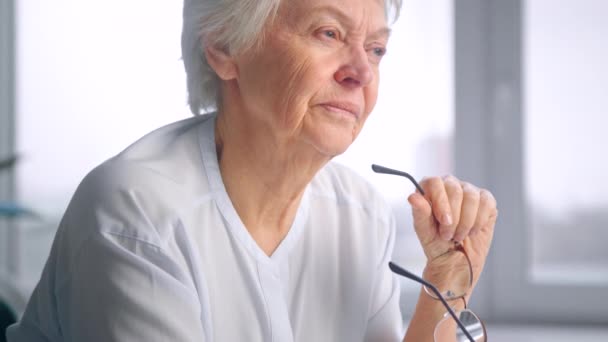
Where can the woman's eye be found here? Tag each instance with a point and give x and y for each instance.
(378, 51)
(332, 34)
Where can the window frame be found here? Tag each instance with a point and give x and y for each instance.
(9, 292)
(7, 125)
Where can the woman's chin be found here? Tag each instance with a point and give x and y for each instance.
(330, 135)
(332, 144)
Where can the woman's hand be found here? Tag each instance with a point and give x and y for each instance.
(453, 210)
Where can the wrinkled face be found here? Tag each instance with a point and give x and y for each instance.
(314, 80)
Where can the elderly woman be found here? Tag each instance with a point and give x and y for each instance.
(235, 225)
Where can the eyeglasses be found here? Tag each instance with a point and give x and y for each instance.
(455, 265)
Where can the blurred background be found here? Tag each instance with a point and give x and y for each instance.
(510, 95)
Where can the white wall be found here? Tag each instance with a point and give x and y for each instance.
(92, 77)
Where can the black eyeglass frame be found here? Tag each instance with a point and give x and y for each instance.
(427, 285)
(403, 272)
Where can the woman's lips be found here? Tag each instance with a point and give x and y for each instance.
(343, 108)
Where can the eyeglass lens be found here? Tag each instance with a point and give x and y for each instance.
(448, 331)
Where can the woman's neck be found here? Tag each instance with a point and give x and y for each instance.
(265, 178)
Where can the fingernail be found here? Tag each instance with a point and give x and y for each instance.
(447, 219)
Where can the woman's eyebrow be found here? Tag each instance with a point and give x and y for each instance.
(384, 32)
(336, 12)
(332, 11)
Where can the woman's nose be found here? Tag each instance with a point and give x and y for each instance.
(356, 71)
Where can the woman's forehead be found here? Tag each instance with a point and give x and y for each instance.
(355, 12)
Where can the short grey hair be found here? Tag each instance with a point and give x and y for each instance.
(234, 25)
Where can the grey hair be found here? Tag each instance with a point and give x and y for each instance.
(234, 25)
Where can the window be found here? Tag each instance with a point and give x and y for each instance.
(565, 118)
(530, 114)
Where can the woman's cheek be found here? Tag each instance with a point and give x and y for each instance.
(298, 87)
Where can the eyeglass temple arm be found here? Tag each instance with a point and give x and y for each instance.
(389, 171)
(399, 270)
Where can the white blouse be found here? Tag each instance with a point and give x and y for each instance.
(152, 249)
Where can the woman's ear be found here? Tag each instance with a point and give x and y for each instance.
(221, 62)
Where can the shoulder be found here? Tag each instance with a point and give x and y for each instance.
(135, 201)
(140, 191)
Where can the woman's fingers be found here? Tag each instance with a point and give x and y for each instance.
(459, 208)
(454, 191)
(486, 215)
(469, 211)
(437, 194)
